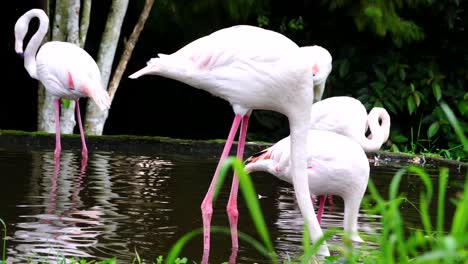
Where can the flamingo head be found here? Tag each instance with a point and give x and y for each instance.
(321, 67)
(21, 28)
(261, 161)
(149, 69)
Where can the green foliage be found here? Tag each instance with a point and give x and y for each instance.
(412, 92)
(381, 17)
(3, 242)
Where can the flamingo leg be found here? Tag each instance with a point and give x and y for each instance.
(233, 213)
(207, 204)
(84, 151)
(330, 200)
(58, 146)
(320, 209)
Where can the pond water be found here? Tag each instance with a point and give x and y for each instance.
(119, 203)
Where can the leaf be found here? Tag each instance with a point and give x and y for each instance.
(344, 68)
(398, 138)
(436, 91)
(463, 107)
(65, 103)
(417, 99)
(380, 75)
(390, 106)
(411, 104)
(433, 129)
(402, 74)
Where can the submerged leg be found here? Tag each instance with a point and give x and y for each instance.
(84, 151)
(207, 204)
(350, 221)
(233, 213)
(58, 146)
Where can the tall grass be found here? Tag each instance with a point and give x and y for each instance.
(3, 242)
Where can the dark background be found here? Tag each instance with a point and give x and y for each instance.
(153, 105)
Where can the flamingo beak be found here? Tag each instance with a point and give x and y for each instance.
(19, 49)
(146, 70)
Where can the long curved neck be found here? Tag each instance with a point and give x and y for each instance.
(379, 134)
(35, 41)
(298, 160)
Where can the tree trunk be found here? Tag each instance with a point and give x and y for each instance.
(95, 118)
(67, 117)
(84, 22)
(129, 46)
(59, 32)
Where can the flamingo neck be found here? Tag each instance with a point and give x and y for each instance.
(379, 133)
(298, 161)
(35, 41)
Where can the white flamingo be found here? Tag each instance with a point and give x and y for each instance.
(253, 68)
(348, 116)
(336, 165)
(65, 70)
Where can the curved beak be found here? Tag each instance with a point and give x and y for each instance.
(146, 70)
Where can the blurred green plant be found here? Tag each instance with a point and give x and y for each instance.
(3, 261)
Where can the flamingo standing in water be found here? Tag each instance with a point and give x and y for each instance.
(336, 165)
(347, 116)
(253, 68)
(65, 70)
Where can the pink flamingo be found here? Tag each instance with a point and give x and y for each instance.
(336, 165)
(347, 116)
(65, 70)
(253, 68)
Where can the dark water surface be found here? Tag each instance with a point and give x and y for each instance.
(119, 203)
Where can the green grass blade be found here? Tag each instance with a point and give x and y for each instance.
(314, 248)
(174, 252)
(4, 241)
(456, 126)
(251, 199)
(395, 183)
(443, 179)
(425, 178)
(176, 249)
(460, 219)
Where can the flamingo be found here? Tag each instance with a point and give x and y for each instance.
(347, 116)
(253, 68)
(65, 70)
(336, 165)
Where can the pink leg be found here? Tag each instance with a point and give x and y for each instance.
(207, 204)
(320, 209)
(233, 213)
(58, 146)
(330, 200)
(84, 151)
(312, 199)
